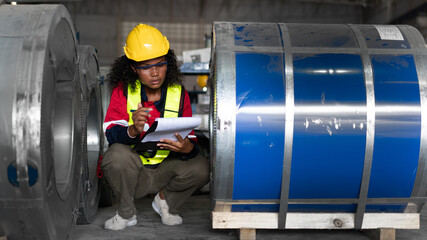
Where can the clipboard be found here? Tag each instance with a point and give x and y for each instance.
(165, 128)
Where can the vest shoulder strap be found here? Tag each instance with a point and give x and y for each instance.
(133, 98)
(173, 101)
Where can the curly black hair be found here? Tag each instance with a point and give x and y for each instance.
(121, 71)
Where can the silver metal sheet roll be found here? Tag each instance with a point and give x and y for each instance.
(40, 127)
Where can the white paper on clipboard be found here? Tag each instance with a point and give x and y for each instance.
(388, 32)
(165, 128)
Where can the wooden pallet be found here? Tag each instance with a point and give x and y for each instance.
(382, 224)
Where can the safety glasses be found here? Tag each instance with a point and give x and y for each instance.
(160, 64)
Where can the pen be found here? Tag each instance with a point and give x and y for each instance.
(133, 110)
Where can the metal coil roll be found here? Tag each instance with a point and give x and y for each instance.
(318, 118)
(92, 134)
(40, 101)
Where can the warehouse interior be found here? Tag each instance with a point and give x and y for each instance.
(106, 23)
(189, 25)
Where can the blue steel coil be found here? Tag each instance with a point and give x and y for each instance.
(318, 118)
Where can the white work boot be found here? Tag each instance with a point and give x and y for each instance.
(162, 208)
(118, 223)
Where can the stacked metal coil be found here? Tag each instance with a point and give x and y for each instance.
(92, 133)
(318, 118)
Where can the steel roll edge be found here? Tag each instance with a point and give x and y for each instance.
(92, 134)
(40, 101)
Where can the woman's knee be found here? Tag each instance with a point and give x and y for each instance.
(118, 157)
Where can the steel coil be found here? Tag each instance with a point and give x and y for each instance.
(40, 101)
(318, 118)
(92, 133)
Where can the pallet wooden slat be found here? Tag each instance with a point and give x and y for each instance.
(381, 234)
(247, 234)
(238, 220)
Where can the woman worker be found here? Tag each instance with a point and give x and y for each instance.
(146, 84)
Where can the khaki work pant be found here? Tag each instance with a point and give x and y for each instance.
(129, 179)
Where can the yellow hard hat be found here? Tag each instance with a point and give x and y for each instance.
(145, 42)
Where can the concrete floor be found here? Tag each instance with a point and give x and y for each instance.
(197, 225)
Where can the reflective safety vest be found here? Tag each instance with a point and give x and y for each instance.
(173, 98)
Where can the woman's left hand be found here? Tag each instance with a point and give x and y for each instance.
(181, 146)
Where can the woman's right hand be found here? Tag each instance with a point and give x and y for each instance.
(139, 118)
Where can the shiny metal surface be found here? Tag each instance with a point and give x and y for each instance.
(289, 123)
(350, 127)
(370, 128)
(420, 187)
(41, 108)
(224, 106)
(92, 134)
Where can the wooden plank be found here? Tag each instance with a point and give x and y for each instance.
(237, 220)
(247, 234)
(381, 234)
(391, 220)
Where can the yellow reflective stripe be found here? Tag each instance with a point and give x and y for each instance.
(158, 158)
(161, 153)
(134, 97)
(173, 97)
